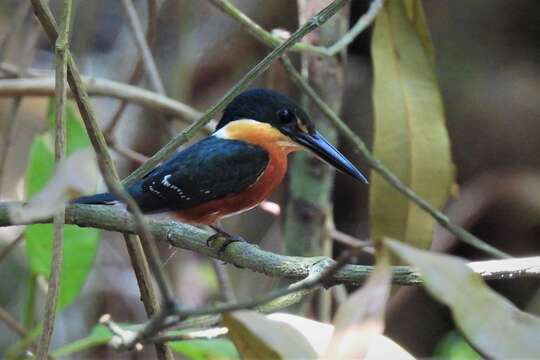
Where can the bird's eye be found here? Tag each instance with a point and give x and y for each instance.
(285, 116)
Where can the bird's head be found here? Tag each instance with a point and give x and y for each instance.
(269, 117)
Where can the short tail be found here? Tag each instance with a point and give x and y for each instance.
(97, 199)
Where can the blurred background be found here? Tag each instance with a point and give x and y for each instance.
(488, 64)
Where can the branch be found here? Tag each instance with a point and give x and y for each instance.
(142, 46)
(376, 165)
(272, 40)
(102, 87)
(53, 289)
(110, 176)
(138, 70)
(251, 256)
(240, 86)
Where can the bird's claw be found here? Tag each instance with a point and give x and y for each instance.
(226, 241)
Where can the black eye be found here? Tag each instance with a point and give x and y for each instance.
(285, 116)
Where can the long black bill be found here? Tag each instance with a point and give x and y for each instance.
(327, 152)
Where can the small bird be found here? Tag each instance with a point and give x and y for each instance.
(236, 167)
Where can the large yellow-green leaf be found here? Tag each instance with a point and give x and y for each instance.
(410, 136)
(80, 244)
(257, 337)
(489, 321)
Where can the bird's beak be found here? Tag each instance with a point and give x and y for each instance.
(316, 143)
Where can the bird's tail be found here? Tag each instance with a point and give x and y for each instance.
(97, 199)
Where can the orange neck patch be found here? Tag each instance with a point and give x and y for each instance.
(258, 133)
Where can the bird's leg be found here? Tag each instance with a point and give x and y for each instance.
(220, 233)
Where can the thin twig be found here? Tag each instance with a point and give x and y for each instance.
(128, 153)
(241, 85)
(12, 323)
(61, 50)
(319, 274)
(6, 250)
(27, 55)
(142, 46)
(102, 87)
(272, 40)
(137, 73)
(376, 165)
(224, 281)
(106, 165)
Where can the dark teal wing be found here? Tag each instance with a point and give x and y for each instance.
(210, 169)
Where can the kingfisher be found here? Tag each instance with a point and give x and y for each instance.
(236, 167)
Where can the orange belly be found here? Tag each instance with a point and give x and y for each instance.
(212, 211)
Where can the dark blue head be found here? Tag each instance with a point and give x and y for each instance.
(271, 107)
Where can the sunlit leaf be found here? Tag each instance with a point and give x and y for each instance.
(410, 136)
(100, 335)
(80, 244)
(205, 349)
(318, 334)
(489, 321)
(383, 348)
(360, 320)
(257, 337)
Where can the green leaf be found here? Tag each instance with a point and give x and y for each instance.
(100, 335)
(205, 349)
(76, 136)
(410, 136)
(454, 347)
(257, 337)
(489, 321)
(80, 244)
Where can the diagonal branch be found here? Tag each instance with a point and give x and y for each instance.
(361, 147)
(109, 172)
(272, 40)
(241, 85)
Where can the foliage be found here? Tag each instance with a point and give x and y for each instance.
(80, 244)
(410, 136)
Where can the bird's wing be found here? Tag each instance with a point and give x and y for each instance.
(210, 169)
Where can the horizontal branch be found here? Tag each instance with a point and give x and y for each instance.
(252, 257)
(44, 86)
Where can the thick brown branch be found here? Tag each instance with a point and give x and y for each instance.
(252, 257)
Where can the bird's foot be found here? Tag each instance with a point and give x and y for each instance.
(224, 239)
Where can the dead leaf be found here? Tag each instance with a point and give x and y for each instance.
(489, 321)
(360, 320)
(75, 176)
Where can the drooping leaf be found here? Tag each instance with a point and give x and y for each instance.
(205, 349)
(257, 337)
(489, 321)
(80, 244)
(410, 137)
(360, 320)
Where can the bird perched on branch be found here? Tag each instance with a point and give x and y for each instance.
(236, 167)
